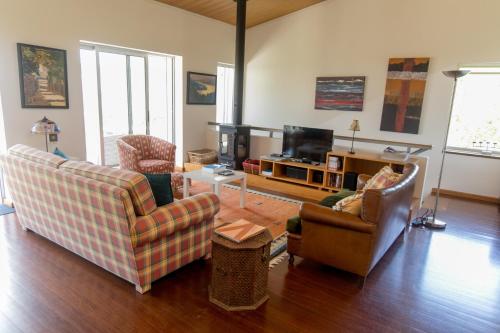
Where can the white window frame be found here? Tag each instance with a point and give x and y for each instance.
(225, 96)
(173, 106)
(477, 70)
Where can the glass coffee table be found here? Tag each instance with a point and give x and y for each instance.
(216, 181)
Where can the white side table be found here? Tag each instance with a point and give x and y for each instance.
(216, 181)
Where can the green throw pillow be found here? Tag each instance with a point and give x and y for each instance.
(293, 225)
(161, 187)
(331, 200)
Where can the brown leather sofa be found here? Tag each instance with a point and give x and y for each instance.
(353, 243)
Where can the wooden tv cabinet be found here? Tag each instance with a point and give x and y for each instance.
(360, 162)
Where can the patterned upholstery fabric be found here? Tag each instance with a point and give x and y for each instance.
(87, 217)
(165, 255)
(95, 219)
(179, 216)
(136, 184)
(178, 182)
(138, 152)
(36, 155)
(386, 177)
(155, 166)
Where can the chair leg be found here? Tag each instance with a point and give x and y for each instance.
(291, 258)
(143, 289)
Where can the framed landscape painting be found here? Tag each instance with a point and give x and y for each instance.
(404, 94)
(43, 77)
(345, 93)
(201, 88)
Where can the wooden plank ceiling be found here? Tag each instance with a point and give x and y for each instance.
(258, 11)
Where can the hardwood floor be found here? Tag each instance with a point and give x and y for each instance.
(433, 281)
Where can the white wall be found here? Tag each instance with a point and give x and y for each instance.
(140, 24)
(357, 37)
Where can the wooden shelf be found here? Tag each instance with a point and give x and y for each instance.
(321, 167)
(339, 172)
(362, 162)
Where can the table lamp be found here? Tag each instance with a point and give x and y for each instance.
(354, 127)
(46, 127)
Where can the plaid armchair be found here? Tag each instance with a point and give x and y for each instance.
(149, 154)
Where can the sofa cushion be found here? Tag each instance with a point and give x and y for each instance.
(162, 188)
(350, 204)
(135, 183)
(294, 225)
(60, 153)
(386, 177)
(331, 200)
(154, 166)
(36, 155)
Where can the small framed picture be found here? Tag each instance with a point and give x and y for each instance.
(201, 88)
(43, 77)
(53, 137)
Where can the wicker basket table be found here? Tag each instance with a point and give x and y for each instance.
(239, 272)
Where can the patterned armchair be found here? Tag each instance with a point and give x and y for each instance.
(149, 154)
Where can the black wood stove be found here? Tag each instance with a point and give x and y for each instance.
(234, 145)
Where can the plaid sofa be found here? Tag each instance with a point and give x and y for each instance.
(108, 216)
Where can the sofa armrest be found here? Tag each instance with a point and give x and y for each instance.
(312, 213)
(173, 217)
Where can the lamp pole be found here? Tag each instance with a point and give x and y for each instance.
(433, 222)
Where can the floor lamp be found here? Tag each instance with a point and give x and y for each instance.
(432, 221)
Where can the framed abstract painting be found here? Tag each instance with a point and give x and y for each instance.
(345, 93)
(201, 88)
(404, 94)
(43, 77)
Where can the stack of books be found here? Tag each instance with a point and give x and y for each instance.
(213, 168)
(334, 163)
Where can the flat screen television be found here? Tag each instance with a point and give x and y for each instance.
(305, 142)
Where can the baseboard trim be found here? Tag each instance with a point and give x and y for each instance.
(469, 196)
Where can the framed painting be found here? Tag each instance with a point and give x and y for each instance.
(345, 93)
(43, 77)
(404, 94)
(201, 88)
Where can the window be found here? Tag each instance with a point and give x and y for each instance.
(225, 92)
(475, 121)
(125, 92)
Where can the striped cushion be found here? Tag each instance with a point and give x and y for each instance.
(135, 183)
(174, 217)
(36, 155)
(383, 179)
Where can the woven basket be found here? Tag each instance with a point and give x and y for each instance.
(202, 156)
(251, 166)
(239, 272)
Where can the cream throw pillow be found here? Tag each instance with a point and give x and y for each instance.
(386, 177)
(350, 204)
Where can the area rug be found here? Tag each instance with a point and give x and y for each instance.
(267, 210)
(4, 209)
